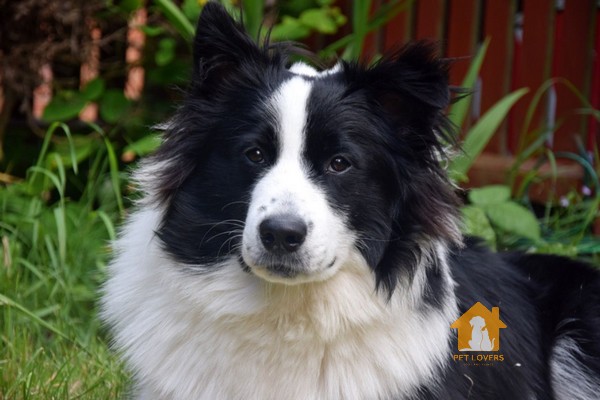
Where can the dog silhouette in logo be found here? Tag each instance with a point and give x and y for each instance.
(480, 337)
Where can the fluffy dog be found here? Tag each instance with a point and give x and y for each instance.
(298, 239)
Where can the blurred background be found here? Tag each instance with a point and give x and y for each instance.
(82, 82)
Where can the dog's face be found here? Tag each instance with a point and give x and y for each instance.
(292, 172)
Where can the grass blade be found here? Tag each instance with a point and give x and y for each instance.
(5, 301)
(459, 110)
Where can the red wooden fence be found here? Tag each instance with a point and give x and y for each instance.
(531, 41)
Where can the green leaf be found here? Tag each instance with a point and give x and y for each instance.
(480, 134)
(253, 16)
(476, 223)
(384, 13)
(360, 27)
(319, 19)
(459, 110)
(165, 52)
(513, 218)
(144, 146)
(113, 105)
(191, 9)
(560, 249)
(177, 18)
(76, 150)
(492, 194)
(64, 107)
(152, 31)
(129, 6)
(289, 29)
(93, 89)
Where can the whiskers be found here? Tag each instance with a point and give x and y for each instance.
(231, 228)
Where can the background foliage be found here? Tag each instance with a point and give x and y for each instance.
(65, 188)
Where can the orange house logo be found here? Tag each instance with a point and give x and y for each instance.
(479, 329)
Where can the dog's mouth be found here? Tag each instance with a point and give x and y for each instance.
(274, 272)
(283, 273)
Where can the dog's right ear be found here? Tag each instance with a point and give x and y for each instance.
(221, 45)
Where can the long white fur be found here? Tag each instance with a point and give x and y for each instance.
(229, 334)
(571, 380)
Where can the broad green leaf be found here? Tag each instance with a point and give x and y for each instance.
(289, 29)
(492, 194)
(476, 223)
(319, 19)
(93, 89)
(514, 218)
(64, 108)
(480, 134)
(113, 105)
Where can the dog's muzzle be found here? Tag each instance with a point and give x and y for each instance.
(282, 234)
(282, 237)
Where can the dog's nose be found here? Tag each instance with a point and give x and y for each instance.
(282, 233)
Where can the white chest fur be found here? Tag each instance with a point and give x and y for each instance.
(227, 334)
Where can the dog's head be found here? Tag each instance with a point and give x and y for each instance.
(294, 172)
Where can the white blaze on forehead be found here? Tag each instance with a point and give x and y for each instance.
(303, 69)
(286, 188)
(290, 104)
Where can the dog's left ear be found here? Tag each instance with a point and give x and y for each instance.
(221, 45)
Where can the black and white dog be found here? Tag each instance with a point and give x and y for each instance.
(299, 240)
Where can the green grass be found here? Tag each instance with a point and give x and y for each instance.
(53, 255)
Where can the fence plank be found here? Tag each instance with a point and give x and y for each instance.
(573, 61)
(89, 71)
(373, 40)
(430, 19)
(43, 93)
(532, 62)
(462, 36)
(497, 65)
(594, 126)
(136, 39)
(399, 30)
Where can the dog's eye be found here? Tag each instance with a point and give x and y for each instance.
(255, 155)
(338, 164)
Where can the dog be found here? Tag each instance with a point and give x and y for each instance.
(298, 238)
